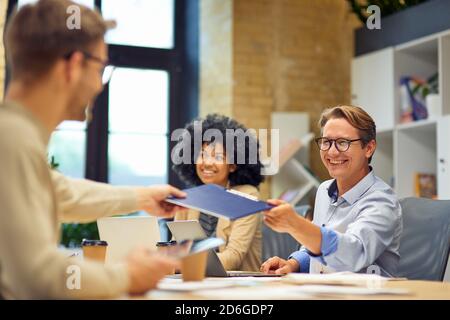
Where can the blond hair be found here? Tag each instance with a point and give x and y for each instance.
(37, 36)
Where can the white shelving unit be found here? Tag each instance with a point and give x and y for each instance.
(405, 149)
(416, 152)
(383, 161)
(443, 152)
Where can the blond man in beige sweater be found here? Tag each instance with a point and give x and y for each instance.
(56, 72)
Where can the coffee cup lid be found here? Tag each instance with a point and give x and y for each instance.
(86, 242)
(166, 243)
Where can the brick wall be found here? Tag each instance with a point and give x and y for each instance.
(3, 7)
(216, 43)
(286, 55)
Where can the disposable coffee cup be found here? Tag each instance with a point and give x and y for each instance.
(193, 267)
(163, 247)
(94, 249)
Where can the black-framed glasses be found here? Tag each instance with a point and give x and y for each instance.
(341, 144)
(106, 71)
(107, 68)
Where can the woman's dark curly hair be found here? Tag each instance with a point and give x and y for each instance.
(246, 173)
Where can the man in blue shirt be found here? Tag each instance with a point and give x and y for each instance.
(357, 217)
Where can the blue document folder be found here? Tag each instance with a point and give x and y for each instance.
(220, 202)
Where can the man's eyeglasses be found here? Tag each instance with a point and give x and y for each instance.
(106, 70)
(341, 144)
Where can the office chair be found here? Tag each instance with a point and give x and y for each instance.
(425, 240)
(281, 244)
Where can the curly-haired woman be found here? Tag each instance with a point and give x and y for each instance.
(243, 238)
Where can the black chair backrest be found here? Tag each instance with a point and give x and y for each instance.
(425, 240)
(280, 244)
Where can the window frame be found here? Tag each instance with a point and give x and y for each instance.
(181, 63)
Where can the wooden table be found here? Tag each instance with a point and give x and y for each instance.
(418, 290)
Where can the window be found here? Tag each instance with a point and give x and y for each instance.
(153, 91)
(153, 29)
(87, 3)
(68, 147)
(138, 126)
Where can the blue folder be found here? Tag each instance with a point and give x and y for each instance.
(220, 202)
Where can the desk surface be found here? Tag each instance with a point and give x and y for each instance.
(422, 290)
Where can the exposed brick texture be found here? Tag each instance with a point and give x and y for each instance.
(3, 7)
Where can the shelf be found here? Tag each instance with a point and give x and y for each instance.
(405, 149)
(293, 180)
(411, 45)
(304, 190)
(385, 132)
(383, 159)
(421, 125)
(416, 153)
(426, 49)
(380, 67)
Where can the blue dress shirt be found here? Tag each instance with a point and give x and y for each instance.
(360, 229)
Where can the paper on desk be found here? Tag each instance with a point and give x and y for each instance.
(255, 293)
(294, 292)
(349, 290)
(240, 280)
(338, 278)
(180, 285)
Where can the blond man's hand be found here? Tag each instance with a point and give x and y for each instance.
(151, 199)
(276, 265)
(146, 268)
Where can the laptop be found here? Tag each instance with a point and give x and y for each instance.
(191, 229)
(124, 234)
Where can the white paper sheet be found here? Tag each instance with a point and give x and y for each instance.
(295, 292)
(255, 293)
(180, 285)
(339, 278)
(346, 290)
(240, 280)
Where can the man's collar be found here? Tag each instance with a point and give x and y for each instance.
(352, 195)
(16, 107)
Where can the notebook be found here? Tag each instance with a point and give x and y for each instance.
(220, 202)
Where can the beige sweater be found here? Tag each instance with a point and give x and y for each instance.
(33, 202)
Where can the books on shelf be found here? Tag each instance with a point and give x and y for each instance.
(414, 102)
(425, 185)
